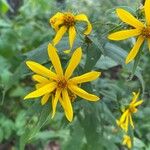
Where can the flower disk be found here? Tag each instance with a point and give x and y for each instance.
(69, 19)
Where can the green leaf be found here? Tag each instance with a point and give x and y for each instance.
(75, 141)
(105, 63)
(31, 131)
(4, 6)
(93, 53)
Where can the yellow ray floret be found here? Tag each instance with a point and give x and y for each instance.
(140, 30)
(58, 85)
(127, 141)
(126, 117)
(63, 22)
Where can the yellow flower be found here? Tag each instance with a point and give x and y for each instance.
(126, 117)
(59, 85)
(63, 22)
(127, 141)
(138, 29)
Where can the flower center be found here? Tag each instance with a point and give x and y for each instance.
(69, 19)
(62, 84)
(146, 32)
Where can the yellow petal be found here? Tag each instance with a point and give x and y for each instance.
(55, 101)
(41, 70)
(57, 25)
(52, 52)
(39, 85)
(72, 35)
(148, 44)
(135, 97)
(59, 35)
(56, 17)
(126, 124)
(135, 49)
(56, 20)
(127, 141)
(147, 11)
(83, 17)
(129, 144)
(40, 79)
(138, 103)
(86, 77)
(83, 94)
(124, 141)
(131, 121)
(41, 91)
(74, 61)
(45, 99)
(124, 34)
(123, 116)
(126, 17)
(67, 105)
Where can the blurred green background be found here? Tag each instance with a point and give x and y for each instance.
(24, 34)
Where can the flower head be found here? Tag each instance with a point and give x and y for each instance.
(58, 84)
(140, 30)
(63, 22)
(127, 141)
(126, 117)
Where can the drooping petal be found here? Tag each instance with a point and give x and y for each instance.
(48, 88)
(126, 17)
(131, 121)
(67, 105)
(126, 123)
(55, 101)
(83, 17)
(57, 25)
(40, 79)
(59, 35)
(124, 34)
(86, 77)
(52, 52)
(74, 61)
(83, 94)
(72, 35)
(135, 49)
(45, 99)
(56, 20)
(41, 70)
(148, 43)
(147, 11)
(123, 117)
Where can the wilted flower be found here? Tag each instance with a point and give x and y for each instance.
(63, 22)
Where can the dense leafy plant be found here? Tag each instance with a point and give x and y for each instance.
(25, 34)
